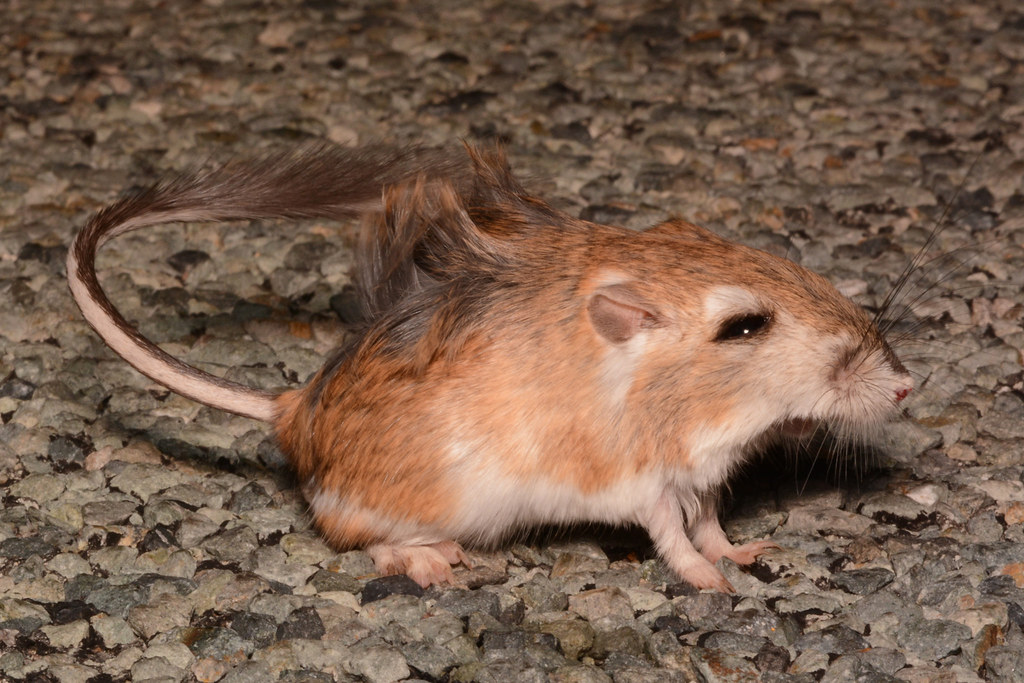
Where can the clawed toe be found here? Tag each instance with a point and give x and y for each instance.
(453, 553)
(740, 554)
(749, 552)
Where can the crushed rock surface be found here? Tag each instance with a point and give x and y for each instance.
(144, 537)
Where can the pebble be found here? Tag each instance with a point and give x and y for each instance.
(862, 581)
(378, 664)
(145, 538)
(932, 639)
(378, 589)
(602, 603)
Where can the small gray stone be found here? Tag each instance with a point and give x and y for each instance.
(305, 547)
(39, 487)
(302, 623)
(231, 545)
(272, 564)
(117, 600)
(757, 622)
(115, 560)
(270, 522)
(949, 592)
(772, 658)
(574, 636)
(224, 591)
(429, 658)
(542, 594)
(932, 639)
(252, 496)
(832, 640)
(155, 669)
(863, 581)
(194, 528)
(985, 528)
(66, 450)
(219, 644)
(144, 481)
(163, 613)
(734, 643)
(66, 636)
(196, 494)
(1004, 663)
(24, 548)
(440, 628)
(163, 512)
(1001, 426)
(399, 584)
(883, 505)
(17, 389)
(602, 603)
(1002, 586)
(328, 581)
(260, 629)
(537, 650)
(114, 631)
(407, 610)
(462, 603)
(705, 610)
(827, 521)
(108, 512)
(68, 565)
(624, 640)
(578, 558)
(886, 660)
(378, 664)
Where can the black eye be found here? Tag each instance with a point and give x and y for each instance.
(742, 327)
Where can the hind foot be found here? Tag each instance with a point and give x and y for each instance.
(424, 564)
(741, 554)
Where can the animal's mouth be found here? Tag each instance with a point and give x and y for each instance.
(798, 427)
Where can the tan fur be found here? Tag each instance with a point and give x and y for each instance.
(476, 415)
(518, 366)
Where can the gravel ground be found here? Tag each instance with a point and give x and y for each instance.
(143, 537)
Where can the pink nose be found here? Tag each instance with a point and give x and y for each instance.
(902, 394)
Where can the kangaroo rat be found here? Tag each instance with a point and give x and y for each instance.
(519, 366)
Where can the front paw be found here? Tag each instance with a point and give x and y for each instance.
(706, 575)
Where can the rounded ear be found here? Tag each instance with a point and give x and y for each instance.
(618, 313)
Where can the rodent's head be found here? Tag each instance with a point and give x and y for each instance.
(737, 343)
